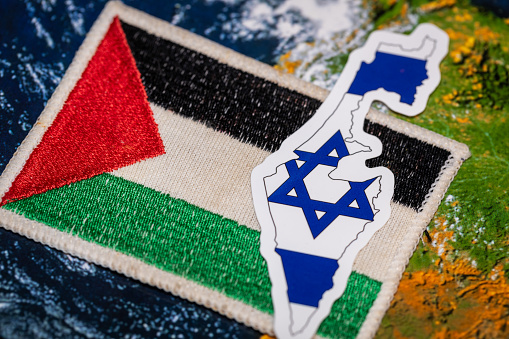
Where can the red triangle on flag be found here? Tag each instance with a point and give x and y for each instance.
(106, 123)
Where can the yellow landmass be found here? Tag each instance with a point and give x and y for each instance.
(453, 299)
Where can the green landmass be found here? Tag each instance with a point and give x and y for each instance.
(477, 116)
(471, 106)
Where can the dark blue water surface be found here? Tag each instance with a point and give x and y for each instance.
(499, 7)
(45, 293)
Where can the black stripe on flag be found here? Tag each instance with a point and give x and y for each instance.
(262, 113)
(415, 163)
(227, 99)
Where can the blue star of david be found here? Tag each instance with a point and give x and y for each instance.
(309, 206)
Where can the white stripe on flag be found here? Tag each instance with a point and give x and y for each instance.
(376, 258)
(211, 170)
(206, 168)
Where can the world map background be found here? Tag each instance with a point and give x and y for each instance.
(459, 269)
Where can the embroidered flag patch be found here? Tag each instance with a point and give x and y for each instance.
(141, 162)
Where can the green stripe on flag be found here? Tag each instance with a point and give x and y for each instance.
(183, 239)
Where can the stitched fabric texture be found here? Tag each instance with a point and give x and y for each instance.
(181, 238)
(262, 113)
(106, 123)
(414, 163)
(146, 152)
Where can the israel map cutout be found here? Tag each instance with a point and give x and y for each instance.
(317, 203)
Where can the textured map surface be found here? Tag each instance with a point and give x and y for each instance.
(458, 272)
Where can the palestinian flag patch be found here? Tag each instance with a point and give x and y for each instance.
(141, 162)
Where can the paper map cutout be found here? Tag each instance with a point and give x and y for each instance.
(317, 203)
